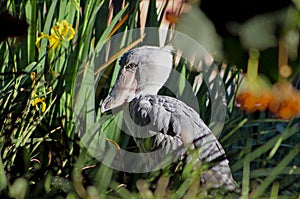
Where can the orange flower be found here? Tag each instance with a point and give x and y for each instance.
(286, 104)
(172, 17)
(285, 71)
(254, 92)
(254, 102)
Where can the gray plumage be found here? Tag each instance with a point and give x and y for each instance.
(171, 124)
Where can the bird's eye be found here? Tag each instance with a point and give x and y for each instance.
(130, 66)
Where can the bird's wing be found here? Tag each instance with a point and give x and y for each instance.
(172, 124)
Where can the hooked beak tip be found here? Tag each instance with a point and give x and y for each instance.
(109, 104)
(104, 109)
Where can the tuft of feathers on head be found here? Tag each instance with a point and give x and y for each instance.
(128, 55)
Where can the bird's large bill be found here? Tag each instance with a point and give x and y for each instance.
(122, 92)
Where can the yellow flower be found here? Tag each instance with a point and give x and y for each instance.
(36, 100)
(59, 32)
(33, 77)
(53, 73)
(66, 30)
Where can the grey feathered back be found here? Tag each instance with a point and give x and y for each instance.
(175, 125)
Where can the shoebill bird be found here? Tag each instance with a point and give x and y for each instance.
(170, 122)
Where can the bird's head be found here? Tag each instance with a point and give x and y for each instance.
(144, 70)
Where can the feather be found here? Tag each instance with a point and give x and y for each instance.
(175, 125)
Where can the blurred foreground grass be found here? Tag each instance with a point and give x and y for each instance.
(41, 152)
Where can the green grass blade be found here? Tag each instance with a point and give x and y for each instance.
(3, 179)
(267, 146)
(276, 171)
(246, 170)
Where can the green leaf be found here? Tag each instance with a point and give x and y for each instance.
(3, 179)
(276, 171)
(19, 188)
(265, 147)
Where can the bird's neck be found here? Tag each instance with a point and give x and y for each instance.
(148, 89)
